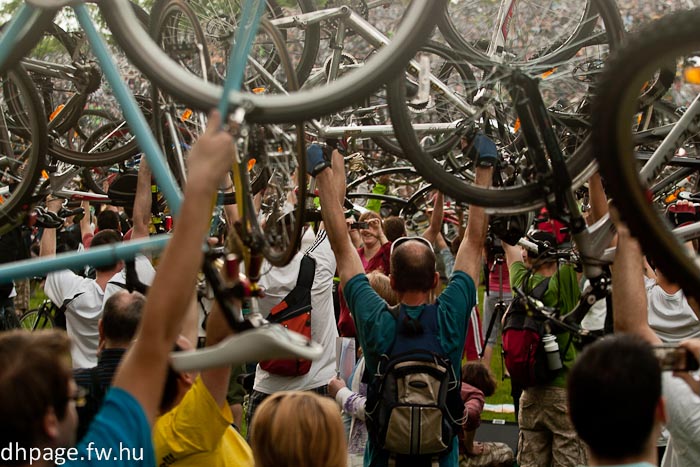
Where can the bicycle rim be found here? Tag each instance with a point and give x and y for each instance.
(538, 31)
(417, 23)
(517, 187)
(22, 145)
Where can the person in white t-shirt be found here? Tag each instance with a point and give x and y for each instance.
(86, 296)
(277, 283)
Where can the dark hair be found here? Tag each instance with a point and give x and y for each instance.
(106, 237)
(108, 219)
(121, 316)
(479, 375)
(394, 227)
(414, 267)
(35, 372)
(620, 377)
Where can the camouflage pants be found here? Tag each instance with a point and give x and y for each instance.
(547, 436)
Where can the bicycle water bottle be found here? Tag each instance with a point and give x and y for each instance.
(551, 348)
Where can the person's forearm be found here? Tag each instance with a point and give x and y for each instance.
(629, 296)
(334, 221)
(599, 202)
(433, 230)
(468, 258)
(143, 201)
(47, 247)
(217, 379)
(86, 221)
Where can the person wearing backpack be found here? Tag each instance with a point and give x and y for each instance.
(415, 349)
(547, 436)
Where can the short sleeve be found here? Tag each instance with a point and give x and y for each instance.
(119, 435)
(63, 284)
(517, 273)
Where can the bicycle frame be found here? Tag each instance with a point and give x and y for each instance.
(348, 19)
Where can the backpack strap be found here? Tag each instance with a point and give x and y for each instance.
(132, 279)
(541, 288)
(298, 300)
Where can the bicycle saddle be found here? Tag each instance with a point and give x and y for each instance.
(262, 343)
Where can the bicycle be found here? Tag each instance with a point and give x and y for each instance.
(255, 109)
(624, 126)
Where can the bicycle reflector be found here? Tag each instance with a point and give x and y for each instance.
(692, 74)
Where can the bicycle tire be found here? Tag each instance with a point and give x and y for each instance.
(508, 199)
(552, 52)
(451, 63)
(614, 108)
(418, 23)
(281, 232)
(25, 131)
(32, 320)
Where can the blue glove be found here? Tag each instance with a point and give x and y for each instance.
(315, 161)
(487, 153)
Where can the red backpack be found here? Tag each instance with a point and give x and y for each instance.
(523, 350)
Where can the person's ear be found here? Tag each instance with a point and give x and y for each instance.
(436, 280)
(392, 282)
(50, 424)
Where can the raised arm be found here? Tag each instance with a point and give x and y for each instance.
(47, 247)
(599, 201)
(629, 297)
(217, 379)
(349, 263)
(142, 202)
(433, 231)
(86, 221)
(468, 257)
(142, 372)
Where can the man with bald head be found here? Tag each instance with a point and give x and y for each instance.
(413, 277)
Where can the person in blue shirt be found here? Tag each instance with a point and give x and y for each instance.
(38, 396)
(413, 277)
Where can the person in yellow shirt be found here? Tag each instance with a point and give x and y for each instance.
(195, 426)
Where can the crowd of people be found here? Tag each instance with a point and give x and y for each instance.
(106, 382)
(103, 389)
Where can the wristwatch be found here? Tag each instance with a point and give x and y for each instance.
(318, 168)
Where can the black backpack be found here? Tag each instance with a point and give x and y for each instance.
(414, 409)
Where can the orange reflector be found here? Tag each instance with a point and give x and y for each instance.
(516, 127)
(692, 74)
(671, 198)
(186, 115)
(259, 90)
(548, 73)
(251, 164)
(56, 112)
(44, 174)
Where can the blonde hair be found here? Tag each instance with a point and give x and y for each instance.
(298, 429)
(382, 285)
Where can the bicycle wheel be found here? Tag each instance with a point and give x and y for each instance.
(36, 319)
(518, 187)
(22, 145)
(417, 23)
(537, 31)
(616, 125)
(220, 21)
(439, 106)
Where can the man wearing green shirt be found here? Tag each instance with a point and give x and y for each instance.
(547, 435)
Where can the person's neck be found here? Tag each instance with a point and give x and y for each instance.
(547, 269)
(370, 251)
(102, 277)
(649, 454)
(414, 298)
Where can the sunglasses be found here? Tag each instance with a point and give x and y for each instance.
(401, 240)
